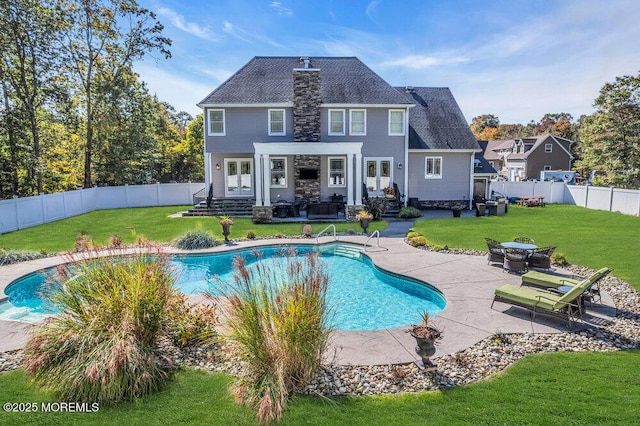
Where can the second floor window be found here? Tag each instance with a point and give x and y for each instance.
(396, 122)
(216, 122)
(358, 122)
(276, 122)
(336, 122)
(548, 147)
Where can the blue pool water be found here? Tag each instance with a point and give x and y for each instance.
(362, 296)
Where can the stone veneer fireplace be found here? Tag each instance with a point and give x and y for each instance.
(307, 188)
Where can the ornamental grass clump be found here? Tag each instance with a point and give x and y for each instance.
(103, 346)
(194, 240)
(278, 316)
(8, 257)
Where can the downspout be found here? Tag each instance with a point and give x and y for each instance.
(406, 158)
(471, 181)
(206, 155)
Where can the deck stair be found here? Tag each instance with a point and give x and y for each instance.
(223, 206)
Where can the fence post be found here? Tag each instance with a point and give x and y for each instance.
(611, 198)
(15, 203)
(157, 194)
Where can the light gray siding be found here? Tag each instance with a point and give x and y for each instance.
(454, 184)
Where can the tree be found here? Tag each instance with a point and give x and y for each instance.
(485, 127)
(100, 45)
(610, 138)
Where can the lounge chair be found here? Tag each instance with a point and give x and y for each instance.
(565, 306)
(496, 251)
(552, 281)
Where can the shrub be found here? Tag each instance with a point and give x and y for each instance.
(409, 213)
(307, 230)
(278, 317)
(115, 241)
(102, 347)
(251, 235)
(411, 234)
(194, 240)
(559, 259)
(417, 241)
(7, 257)
(377, 207)
(191, 324)
(83, 242)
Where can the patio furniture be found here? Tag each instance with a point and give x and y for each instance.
(516, 245)
(566, 305)
(322, 210)
(515, 260)
(554, 281)
(525, 240)
(541, 257)
(496, 251)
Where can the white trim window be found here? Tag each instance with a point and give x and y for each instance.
(433, 167)
(337, 171)
(547, 168)
(336, 122)
(278, 172)
(396, 122)
(358, 122)
(548, 147)
(277, 124)
(216, 122)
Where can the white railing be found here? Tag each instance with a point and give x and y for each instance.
(326, 229)
(626, 201)
(374, 233)
(20, 213)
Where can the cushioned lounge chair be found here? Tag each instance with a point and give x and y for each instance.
(566, 306)
(552, 281)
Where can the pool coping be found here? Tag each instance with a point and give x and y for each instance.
(467, 282)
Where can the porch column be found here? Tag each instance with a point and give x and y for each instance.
(358, 199)
(349, 179)
(266, 179)
(259, 180)
(207, 171)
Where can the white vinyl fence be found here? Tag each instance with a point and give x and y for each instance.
(20, 213)
(626, 201)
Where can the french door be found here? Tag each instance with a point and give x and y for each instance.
(238, 174)
(378, 174)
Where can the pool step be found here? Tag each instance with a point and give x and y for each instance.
(347, 251)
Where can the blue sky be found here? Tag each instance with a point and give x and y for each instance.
(514, 59)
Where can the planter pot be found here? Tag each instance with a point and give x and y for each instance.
(456, 212)
(226, 229)
(425, 348)
(364, 223)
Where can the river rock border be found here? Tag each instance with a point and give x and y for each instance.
(480, 361)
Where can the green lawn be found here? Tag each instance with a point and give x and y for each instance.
(591, 238)
(152, 223)
(561, 388)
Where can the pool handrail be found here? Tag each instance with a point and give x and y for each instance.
(325, 229)
(374, 233)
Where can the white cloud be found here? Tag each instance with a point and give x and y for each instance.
(192, 28)
(248, 37)
(278, 7)
(371, 9)
(422, 62)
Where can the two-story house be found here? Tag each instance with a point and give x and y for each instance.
(289, 128)
(520, 159)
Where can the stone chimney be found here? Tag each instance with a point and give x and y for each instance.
(306, 103)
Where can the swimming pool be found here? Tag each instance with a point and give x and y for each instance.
(363, 297)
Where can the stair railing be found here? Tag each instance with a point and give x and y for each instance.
(373, 234)
(326, 229)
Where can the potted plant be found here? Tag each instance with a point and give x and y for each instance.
(364, 217)
(456, 210)
(389, 192)
(426, 337)
(226, 223)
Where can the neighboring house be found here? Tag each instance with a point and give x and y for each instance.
(521, 159)
(289, 128)
(483, 173)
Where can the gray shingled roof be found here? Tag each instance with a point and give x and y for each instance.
(481, 165)
(270, 80)
(436, 122)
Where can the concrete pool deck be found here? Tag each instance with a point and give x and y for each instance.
(466, 281)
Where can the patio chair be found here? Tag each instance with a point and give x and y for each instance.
(565, 306)
(496, 251)
(525, 240)
(515, 260)
(554, 282)
(541, 257)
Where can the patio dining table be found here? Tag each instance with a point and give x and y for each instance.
(517, 245)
